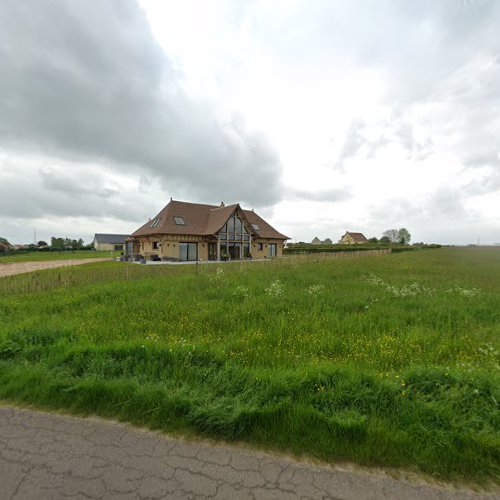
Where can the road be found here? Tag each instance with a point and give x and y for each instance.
(48, 456)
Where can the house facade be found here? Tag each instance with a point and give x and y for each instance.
(109, 242)
(350, 238)
(185, 231)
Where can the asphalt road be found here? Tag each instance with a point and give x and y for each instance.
(49, 456)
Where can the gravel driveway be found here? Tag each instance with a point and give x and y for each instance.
(28, 267)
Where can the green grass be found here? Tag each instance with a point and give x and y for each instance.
(389, 361)
(63, 255)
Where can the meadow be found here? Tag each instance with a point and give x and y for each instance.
(390, 361)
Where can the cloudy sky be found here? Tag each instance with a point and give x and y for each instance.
(322, 115)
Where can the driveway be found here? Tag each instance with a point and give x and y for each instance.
(49, 456)
(28, 267)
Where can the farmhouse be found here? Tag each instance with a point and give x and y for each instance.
(109, 242)
(353, 239)
(185, 231)
(5, 246)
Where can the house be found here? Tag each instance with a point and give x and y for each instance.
(353, 238)
(109, 242)
(5, 246)
(185, 231)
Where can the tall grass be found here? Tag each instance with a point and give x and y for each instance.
(390, 360)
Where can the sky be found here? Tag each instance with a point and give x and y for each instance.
(322, 115)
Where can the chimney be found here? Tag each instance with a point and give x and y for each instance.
(222, 204)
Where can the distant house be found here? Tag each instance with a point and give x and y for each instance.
(185, 231)
(353, 239)
(110, 242)
(5, 247)
(316, 241)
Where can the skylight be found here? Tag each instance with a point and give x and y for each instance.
(155, 222)
(256, 227)
(179, 221)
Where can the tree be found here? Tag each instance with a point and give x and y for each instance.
(404, 236)
(57, 243)
(384, 240)
(42, 243)
(328, 241)
(392, 234)
(373, 240)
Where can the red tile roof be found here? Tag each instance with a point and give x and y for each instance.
(203, 220)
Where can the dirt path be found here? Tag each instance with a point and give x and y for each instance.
(49, 456)
(28, 267)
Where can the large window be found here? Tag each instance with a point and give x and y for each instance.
(234, 240)
(188, 251)
(272, 249)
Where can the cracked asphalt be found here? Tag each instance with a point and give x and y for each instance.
(49, 456)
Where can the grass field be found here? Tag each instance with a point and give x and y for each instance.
(389, 361)
(65, 255)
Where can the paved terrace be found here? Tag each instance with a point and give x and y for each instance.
(44, 456)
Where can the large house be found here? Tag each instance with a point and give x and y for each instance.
(185, 231)
(353, 239)
(109, 242)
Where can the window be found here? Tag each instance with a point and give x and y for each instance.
(156, 245)
(256, 227)
(234, 239)
(188, 251)
(272, 249)
(260, 246)
(118, 248)
(179, 221)
(155, 222)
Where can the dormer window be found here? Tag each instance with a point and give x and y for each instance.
(256, 227)
(179, 221)
(155, 222)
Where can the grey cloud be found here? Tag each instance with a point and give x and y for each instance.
(325, 195)
(361, 142)
(75, 186)
(85, 80)
(33, 194)
(445, 201)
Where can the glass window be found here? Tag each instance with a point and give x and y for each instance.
(155, 245)
(256, 227)
(179, 221)
(272, 249)
(155, 222)
(188, 251)
(260, 246)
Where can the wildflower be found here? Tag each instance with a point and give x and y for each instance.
(315, 289)
(275, 289)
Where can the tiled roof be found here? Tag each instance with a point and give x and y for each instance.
(356, 236)
(110, 238)
(202, 220)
